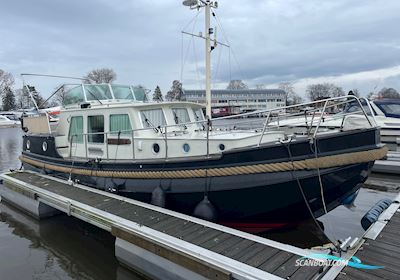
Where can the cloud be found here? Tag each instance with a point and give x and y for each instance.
(271, 41)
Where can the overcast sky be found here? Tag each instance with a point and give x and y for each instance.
(353, 43)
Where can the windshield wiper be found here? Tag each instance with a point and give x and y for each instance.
(148, 122)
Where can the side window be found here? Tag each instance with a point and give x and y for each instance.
(180, 115)
(152, 118)
(75, 133)
(96, 129)
(120, 123)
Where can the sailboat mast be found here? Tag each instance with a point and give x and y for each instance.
(207, 4)
(208, 59)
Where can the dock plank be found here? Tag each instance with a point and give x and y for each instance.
(237, 248)
(306, 272)
(276, 261)
(215, 241)
(250, 251)
(202, 235)
(288, 268)
(261, 257)
(229, 242)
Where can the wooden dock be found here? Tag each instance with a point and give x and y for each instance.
(157, 242)
(379, 246)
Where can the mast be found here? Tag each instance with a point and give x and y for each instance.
(208, 59)
(207, 5)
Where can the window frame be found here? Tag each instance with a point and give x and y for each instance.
(116, 132)
(141, 119)
(90, 135)
(69, 130)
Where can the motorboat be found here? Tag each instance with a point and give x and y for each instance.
(384, 112)
(8, 121)
(170, 154)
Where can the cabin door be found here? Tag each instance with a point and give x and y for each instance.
(95, 139)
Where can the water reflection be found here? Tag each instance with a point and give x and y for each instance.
(10, 148)
(61, 247)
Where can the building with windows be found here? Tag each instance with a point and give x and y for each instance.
(245, 99)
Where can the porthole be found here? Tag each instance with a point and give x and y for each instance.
(156, 148)
(44, 146)
(221, 147)
(186, 148)
(28, 144)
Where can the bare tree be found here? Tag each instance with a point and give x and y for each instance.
(176, 92)
(237, 84)
(291, 96)
(102, 75)
(388, 93)
(322, 91)
(6, 81)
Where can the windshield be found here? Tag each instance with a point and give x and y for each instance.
(354, 107)
(122, 92)
(74, 96)
(98, 92)
(390, 109)
(140, 93)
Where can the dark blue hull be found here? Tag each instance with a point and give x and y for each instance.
(253, 202)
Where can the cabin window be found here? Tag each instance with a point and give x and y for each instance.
(180, 115)
(75, 133)
(96, 129)
(98, 92)
(152, 118)
(74, 96)
(120, 123)
(122, 92)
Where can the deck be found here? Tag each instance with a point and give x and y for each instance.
(210, 250)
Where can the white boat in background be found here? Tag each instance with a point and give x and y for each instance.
(387, 116)
(5, 121)
(384, 112)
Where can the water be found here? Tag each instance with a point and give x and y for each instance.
(57, 248)
(66, 248)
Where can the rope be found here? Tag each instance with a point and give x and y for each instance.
(287, 145)
(319, 176)
(308, 164)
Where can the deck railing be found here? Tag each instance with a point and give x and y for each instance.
(308, 115)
